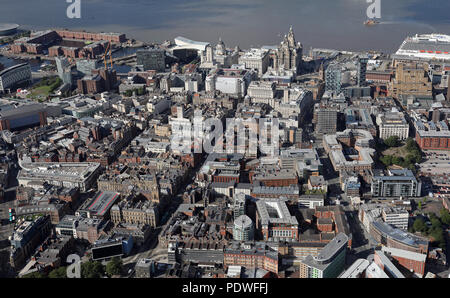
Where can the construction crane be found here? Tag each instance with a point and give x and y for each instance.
(108, 48)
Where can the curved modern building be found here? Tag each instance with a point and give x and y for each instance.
(389, 236)
(243, 229)
(184, 43)
(14, 75)
(8, 29)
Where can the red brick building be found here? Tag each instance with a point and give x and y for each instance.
(430, 142)
(410, 260)
(252, 257)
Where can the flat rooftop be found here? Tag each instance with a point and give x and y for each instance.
(102, 201)
(332, 248)
(274, 211)
(61, 171)
(357, 268)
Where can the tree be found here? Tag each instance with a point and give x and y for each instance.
(436, 224)
(392, 141)
(386, 160)
(114, 267)
(410, 159)
(445, 216)
(34, 275)
(420, 205)
(58, 273)
(92, 269)
(397, 160)
(411, 144)
(419, 225)
(438, 236)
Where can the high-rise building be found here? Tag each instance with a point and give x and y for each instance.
(411, 79)
(239, 205)
(362, 68)
(326, 120)
(152, 59)
(333, 78)
(85, 66)
(64, 70)
(243, 229)
(329, 263)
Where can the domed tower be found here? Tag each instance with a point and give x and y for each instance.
(220, 47)
(289, 52)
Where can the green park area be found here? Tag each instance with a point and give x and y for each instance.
(404, 154)
(42, 90)
(434, 227)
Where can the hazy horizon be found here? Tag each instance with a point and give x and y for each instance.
(321, 23)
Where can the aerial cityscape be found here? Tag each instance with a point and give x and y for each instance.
(192, 158)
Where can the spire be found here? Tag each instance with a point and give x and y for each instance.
(291, 37)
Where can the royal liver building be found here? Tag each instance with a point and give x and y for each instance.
(289, 53)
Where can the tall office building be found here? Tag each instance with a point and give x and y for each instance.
(362, 68)
(239, 205)
(85, 66)
(333, 78)
(152, 59)
(326, 120)
(243, 229)
(329, 263)
(64, 70)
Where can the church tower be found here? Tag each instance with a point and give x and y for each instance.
(289, 53)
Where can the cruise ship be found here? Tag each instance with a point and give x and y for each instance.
(426, 46)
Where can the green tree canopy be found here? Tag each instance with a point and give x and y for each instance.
(58, 273)
(114, 266)
(445, 216)
(92, 269)
(34, 275)
(392, 141)
(398, 161)
(419, 225)
(411, 144)
(386, 160)
(436, 223)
